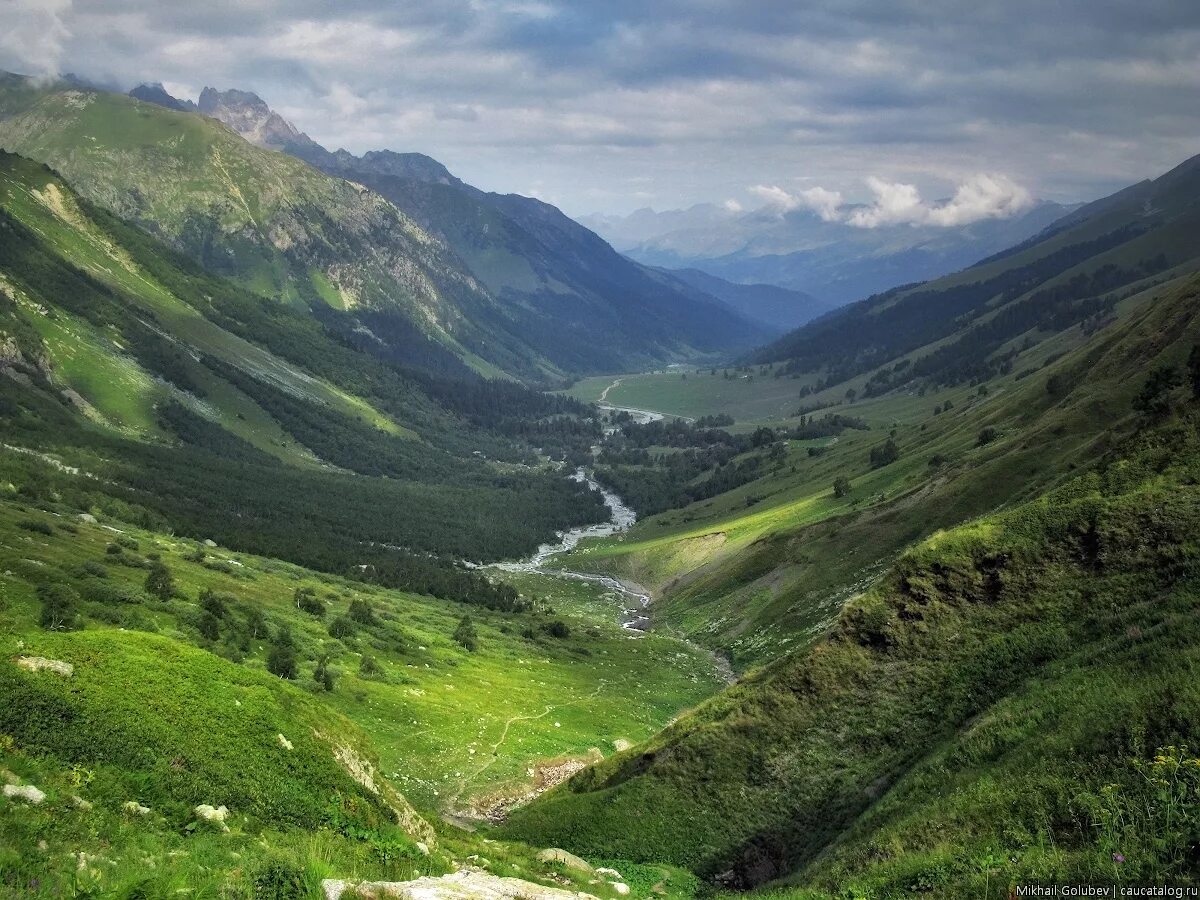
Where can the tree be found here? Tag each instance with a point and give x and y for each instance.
(465, 635)
(209, 627)
(281, 661)
(308, 601)
(159, 581)
(368, 666)
(1193, 364)
(322, 675)
(841, 486)
(58, 607)
(1154, 399)
(341, 627)
(213, 603)
(986, 436)
(884, 454)
(557, 629)
(360, 611)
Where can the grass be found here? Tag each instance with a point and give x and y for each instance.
(764, 568)
(998, 694)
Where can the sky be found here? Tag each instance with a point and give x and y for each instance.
(923, 110)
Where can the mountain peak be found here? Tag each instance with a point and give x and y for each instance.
(154, 92)
(248, 114)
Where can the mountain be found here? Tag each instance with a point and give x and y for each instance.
(1074, 274)
(831, 260)
(943, 653)
(775, 307)
(563, 290)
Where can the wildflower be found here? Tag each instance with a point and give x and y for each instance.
(1118, 857)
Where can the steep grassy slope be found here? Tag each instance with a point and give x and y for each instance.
(968, 376)
(1012, 703)
(274, 223)
(172, 703)
(569, 294)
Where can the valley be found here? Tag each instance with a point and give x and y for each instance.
(360, 525)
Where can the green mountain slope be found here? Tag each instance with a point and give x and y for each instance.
(273, 223)
(237, 419)
(765, 564)
(568, 293)
(989, 714)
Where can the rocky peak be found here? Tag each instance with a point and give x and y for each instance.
(248, 114)
(154, 92)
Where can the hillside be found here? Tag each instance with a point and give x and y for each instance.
(563, 291)
(777, 308)
(1001, 696)
(762, 564)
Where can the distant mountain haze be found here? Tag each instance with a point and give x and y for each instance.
(798, 249)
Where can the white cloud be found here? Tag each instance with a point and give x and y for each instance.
(34, 34)
(981, 196)
(824, 203)
(895, 204)
(732, 206)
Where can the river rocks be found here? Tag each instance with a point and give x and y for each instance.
(469, 884)
(26, 792)
(563, 858)
(41, 664)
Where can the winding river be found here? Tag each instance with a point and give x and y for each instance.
(634, 599)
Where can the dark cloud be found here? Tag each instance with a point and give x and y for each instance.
(623, 103)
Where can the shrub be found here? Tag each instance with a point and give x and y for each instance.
(59, 603)
(841, 486)
(281, 661)
(322, 675)
(279, 878)
(307, 601)
(361, 612)
(557, 629)
(465, 635)
(37, 526)
(159, 581)
(341, 627)
(986, 436)
(368, 666)
(884, 454)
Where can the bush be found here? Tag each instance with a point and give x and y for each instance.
(361, 612)
(557, 629)
(341, 627)
(308, 601)
(59, 603)
(368, 666)
(322, 675)
(281, 661)
(278, 878)
(841, 487)
(986, 436)
(884, 454)
(465, 635)
(36, 526)
(159, 581)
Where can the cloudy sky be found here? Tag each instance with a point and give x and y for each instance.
(617, 104)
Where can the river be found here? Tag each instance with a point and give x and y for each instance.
(634, 599)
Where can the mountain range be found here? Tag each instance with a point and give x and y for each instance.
(834, 261)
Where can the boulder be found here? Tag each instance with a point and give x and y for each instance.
(41, 664)
(563, 858)
(26, 792)
(215, 815)
(468, 884)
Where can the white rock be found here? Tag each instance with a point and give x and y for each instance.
(611, 873)
(80, 802)
(26, 792)
(284, 742)
(87, 517)
(469, 884)
(135, 808)
(40, 664)
(620, 887)
(215, 815)
(209, 542)
(423, 847)
(562, 857)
